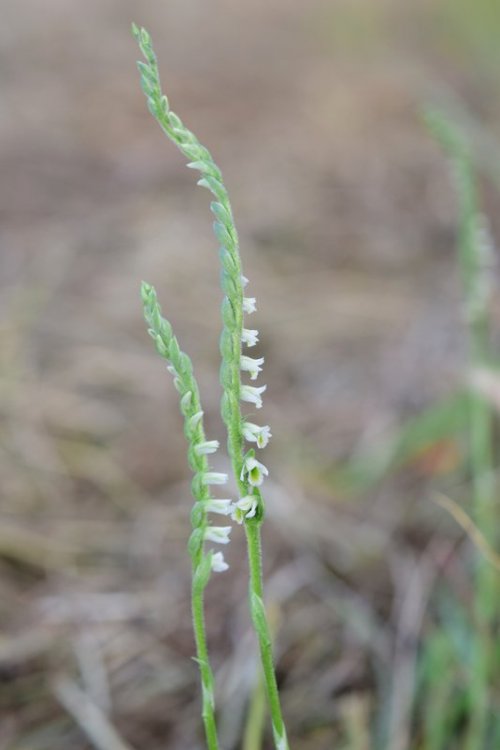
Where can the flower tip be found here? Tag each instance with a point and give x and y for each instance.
(146, 290)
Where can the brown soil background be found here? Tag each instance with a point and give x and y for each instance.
(348, 224)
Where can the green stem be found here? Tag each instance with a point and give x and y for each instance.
(261, 625)
(207, 680)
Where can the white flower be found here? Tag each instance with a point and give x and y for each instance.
(213, 477)
(218, 506)
(255, 434)
(246, 507)
(218, 534)
(252, 394)
(253, 366)
(249, 337)
(209, 446)
(219, 565)
(254, 471)
(244, 281)
(249, 305)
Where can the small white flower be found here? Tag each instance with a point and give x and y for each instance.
(218, 506)
(209, 446)
(252, 394)
(249, 305)
(251, 365)
(254, 471)
(246, 507)
(255, 434)
(244, 281)
(213, 477)
(218, 534)
(219, 565)
(249, 337)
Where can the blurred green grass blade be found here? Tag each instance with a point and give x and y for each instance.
(254, 727)
(446, 419)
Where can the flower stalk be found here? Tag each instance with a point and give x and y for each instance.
(202, 563)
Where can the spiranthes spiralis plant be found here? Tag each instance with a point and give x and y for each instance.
(475, 253)
(249, 472)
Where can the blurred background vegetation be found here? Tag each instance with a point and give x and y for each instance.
(349, 228)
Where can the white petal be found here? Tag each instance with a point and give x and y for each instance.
(255, 434)
(219, 565)
(252, 394)
(264, 436)
(214, 477)
(218, 534)
(249, 305)
(254, 472)
(209, 446)
(251, 365)
(249, 336)
(246, 507)
(218, 506)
